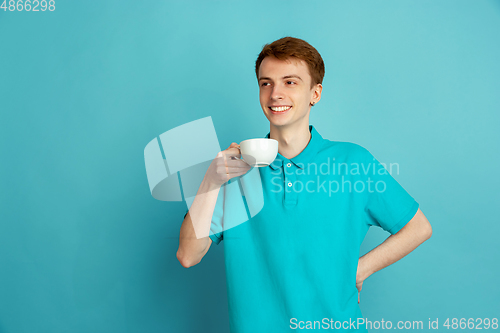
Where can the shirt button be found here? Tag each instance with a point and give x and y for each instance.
(289, 165)
(289, 184)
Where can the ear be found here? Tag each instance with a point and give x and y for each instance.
(317, 93)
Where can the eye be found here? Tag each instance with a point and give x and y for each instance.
(290, 82)
(263, 84)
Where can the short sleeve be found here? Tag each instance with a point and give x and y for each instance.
(215, 237)
(388, 204)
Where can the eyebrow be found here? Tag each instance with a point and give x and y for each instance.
(284, 77)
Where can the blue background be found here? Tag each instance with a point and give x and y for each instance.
(85, 248)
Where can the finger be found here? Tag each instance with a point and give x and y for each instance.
(223, 162)
(233, 145)
(234, 151)
(228, 158)
(237, 174)
(236, 170)
(232, 159)
(237, 163)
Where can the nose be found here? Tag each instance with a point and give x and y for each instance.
(277, 92)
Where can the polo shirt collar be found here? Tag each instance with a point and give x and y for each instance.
(306, 156)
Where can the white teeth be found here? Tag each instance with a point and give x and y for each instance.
(281, 108)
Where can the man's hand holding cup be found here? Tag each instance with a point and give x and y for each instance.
(226, 165)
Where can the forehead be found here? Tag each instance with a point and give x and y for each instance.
(275, 68)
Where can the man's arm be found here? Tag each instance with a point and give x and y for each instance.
(395, 247)
(191, 248)
(195, 229)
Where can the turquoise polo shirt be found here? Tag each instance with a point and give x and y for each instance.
(292, 265)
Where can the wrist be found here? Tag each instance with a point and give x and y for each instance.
(208, 186)
(364, 270)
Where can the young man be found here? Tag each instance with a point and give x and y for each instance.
(295, 264)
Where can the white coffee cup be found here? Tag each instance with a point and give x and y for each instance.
(259, 152)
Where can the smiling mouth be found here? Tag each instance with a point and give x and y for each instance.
(279, 110)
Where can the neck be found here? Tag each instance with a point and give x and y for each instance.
(291, 141)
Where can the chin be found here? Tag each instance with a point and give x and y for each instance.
(274, 121)
(278, 123)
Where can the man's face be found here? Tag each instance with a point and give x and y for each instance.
(287, 86)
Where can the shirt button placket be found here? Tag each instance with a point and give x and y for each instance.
(290, 179)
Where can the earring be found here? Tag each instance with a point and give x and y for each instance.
(312, 104)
